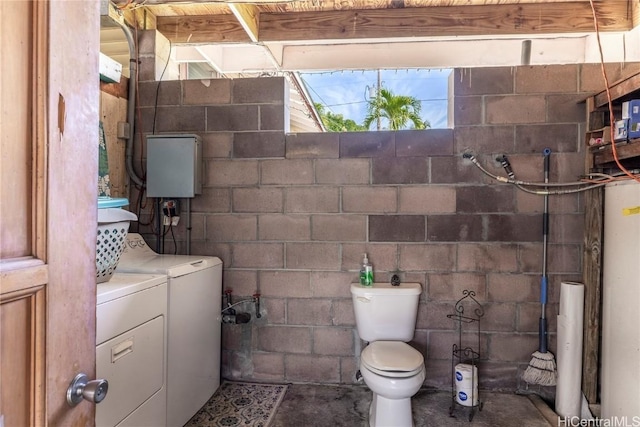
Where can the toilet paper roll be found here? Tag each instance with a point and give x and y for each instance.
(467, 396)
(466, 375)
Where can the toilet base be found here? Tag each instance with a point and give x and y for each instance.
(385, 412)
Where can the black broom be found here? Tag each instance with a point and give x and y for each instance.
(542, 367)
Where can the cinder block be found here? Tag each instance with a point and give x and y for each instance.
(512, 347)
(484, 199)
(343, 314)
(333, 341)
(529, 317)
(169, 93)
(323, 256)
(367, 144)
(180, 119)
(348, 368)
(268, 366)
(258, 255)
(217, 144)
(258, 144)
(561, 258)
(547, 79)
(513, 228)
(273, 117)
(232, 337)
(513, 287)
(229, 173)
(260, 90)
(455, 228)
(287, 172)
(285, 284)
(424, 143)
(559, 137)
(340, 228)
(396, 228)
(400, 170)
(483, 81)
(206, 92)
(232, 118)
(284, 339)
(467, 110)
(431, 199)
(312, 199)
(331, 284)
(232, 228)
(433, 316)
(212, 200)
(449, 286)
(563, 108)
(430, 257)
(369, 199)
(342, 171)
(274, 310)
(499, 317)
(313, 145)
(479, 140)
(308, 311)
(284, 227)
(260, 200)
(383, 256)
(488, 257)
(515, 109)
(313, 369)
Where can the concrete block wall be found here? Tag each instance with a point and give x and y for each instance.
(291, 215)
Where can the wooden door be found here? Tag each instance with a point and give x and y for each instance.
(48, 190)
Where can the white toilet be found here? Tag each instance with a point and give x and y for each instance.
(391, 368)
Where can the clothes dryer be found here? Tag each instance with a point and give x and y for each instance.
(130, 349)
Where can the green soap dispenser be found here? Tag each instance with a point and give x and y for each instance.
(366, 272)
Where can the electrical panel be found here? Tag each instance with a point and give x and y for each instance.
(174, 165)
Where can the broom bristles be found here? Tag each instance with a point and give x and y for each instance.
(541, 369)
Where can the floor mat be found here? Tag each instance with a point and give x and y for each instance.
(240, 404)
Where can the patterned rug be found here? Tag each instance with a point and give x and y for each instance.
(240, 404)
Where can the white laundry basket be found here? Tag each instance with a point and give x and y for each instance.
(113, 226)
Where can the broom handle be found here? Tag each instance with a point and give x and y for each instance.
(545, 239)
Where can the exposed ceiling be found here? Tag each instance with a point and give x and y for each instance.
(245, 37)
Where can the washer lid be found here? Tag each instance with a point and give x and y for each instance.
(392, 356)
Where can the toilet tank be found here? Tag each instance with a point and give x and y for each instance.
(385, 312)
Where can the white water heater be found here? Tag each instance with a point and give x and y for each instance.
(620, 376)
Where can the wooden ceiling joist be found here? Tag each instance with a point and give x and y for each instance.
(202, 29)
(435, 21)
(490, 20)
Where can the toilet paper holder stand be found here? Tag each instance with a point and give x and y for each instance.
(467, 315)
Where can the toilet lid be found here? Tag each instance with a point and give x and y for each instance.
(392, 358)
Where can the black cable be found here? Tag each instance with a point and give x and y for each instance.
(155, 107)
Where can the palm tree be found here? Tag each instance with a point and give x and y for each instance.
(398, 110)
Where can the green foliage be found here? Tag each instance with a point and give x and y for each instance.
(337, 122)
(399, 111)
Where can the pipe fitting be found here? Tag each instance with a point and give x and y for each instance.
(236, 318)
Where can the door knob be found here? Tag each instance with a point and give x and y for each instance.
(81, 388)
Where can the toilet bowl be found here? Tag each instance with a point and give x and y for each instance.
(394, 371)
(391, 368)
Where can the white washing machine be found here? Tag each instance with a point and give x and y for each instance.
(194, 323)
(130, 350)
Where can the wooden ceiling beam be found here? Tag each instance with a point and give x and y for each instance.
(248, 16)
(434, 21)
(488, 20)
(202, 29)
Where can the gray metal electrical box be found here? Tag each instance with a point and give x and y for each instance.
(174, 165)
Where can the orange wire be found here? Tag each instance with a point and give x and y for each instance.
(609, 100)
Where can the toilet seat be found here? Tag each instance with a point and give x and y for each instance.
(394, 359)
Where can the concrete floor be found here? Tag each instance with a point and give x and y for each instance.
(331, 406)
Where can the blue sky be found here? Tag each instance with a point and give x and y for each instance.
(344, 92)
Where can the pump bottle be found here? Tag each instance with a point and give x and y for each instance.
(366, 272)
